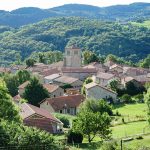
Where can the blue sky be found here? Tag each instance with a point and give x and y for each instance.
(14, 4)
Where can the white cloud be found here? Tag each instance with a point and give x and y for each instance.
(13, 4)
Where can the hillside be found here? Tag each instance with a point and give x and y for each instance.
(24, 16)
(130, 42)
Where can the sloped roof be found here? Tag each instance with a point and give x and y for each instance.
(58, 103)
(66, 79)
(50, 87)
(104, 75)
(92, 85)
(27, 110)
(53, 76)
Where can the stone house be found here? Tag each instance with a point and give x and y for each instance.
(103, 78)
(54, 90)
(63, 104)
(116, 69)
(97, 92)
(51, 78)
(40, 118)
(74, 82)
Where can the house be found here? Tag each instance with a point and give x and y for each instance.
(116, 69)
(97, 92)
(40, 118)
(128, 79)
(103, 78)
(74, 82)
(80, 73)
(132, 71)
(63, 104)
(50, 78)
(143, 79)
(54, 90)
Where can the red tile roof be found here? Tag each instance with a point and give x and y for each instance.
(59, 103)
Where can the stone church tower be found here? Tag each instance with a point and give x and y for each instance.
(72, 57)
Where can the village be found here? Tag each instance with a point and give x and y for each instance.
(71, 73)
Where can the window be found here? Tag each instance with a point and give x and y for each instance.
(60, 111)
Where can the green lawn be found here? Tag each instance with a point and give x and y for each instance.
(144, 24)
(131, 109)
(130, 129)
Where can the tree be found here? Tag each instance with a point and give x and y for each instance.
(146, 62)
(23, 76)
(35, 92)
(30, 62)
(147, 100)
(89, 57)
(113, 84)
(138, 89)
(12, 84)
(8, 111)
(90, 124)
(87, 81)
(126, 98)
(97, 106)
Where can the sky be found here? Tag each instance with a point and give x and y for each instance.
(14, 4)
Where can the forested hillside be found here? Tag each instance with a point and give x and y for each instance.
(130, 42)
(28, 15)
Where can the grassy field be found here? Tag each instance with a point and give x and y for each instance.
(130, 129)
(121, 131)
(131, 109)
(144, 24)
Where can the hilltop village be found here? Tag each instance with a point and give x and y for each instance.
(65, 81)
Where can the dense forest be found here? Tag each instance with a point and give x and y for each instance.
(28, 15)
(124, 40)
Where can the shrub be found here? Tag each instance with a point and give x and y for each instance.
(74, 137)
(64, 120)
(117, 113)
(126, 98)
(110, 146)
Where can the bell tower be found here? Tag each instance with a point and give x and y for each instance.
(72, 57)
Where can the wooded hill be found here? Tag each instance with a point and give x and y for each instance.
(124, 40)
(28, 15)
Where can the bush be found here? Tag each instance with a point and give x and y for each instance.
(110, 145)
(64, 120)
(74, 137)
(126, 99)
